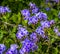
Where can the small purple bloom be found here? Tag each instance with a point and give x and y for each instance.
(2, 48)
(28, 45)
(35, 10)
(58, 33)
(32, 5)
(52, 22)
(7, 9)
(56, 30)
(45, 24)
(33, 20)
(41, 16)
(21, 33)
(40, 31)
(22, 51)
(12, 49)
(14, 46)
(25, 13)
(33, 37)
(4, 9)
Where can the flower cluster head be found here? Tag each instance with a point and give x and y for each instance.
(27, 46)
(32, 20)
(41, 16)
(45, 24)
(12, 49)
(52, 22)
(33, 15)
(4, 9)
(33, 37)
(25, 13)
(40, 31)
(32, 5)
(21, 32)
(2, 48)
(56, 31)
(33, 8)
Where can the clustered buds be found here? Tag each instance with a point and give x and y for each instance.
(56, 31)
(4, 9)
(21, 33)
(12, 49)
(2, 48)
(27, 46)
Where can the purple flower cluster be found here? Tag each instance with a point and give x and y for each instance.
(40, 32)
(56, 31)
(2, 48)
(21, 33)
(45, 24)
(12, 49)
(4, 9)
(34, 9)
(25, 13)
(41, 16)
(33, 15)
(33, 37)
(33, 20)
(27, 46)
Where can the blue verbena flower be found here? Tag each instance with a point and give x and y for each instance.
(25, 13)
(27, 46)
(4, 9)
(21, 33)
(41, 16)
(52, 22)
(12, 49)
(7, 9)
(22, 51)
(40, 31)
(32, 20)
(33, 37)
(58, 33)
(32, 5)
(45, 24)
(35, 10)
(2, 48)
(56, 30)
